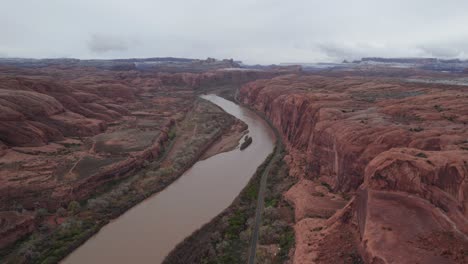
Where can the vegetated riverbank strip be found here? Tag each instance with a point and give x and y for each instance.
(51, 247)
(261, 197)
(263, 183)
(261, 203)
(225, 227)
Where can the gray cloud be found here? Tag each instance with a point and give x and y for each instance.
(255, 31)
(443, 52)
(337, 51)
(103, 44)
(454, 49)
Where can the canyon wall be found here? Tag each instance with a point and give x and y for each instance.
(401, 147)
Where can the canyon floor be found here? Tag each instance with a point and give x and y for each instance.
(373, 163)
(80, 145)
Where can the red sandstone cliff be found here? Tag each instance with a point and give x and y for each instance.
(403, 146)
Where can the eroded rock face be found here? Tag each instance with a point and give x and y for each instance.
(38, 112)
(313, 200)
(217, 77)
(413, 197)
(49, 129)
(336, 126)
(402, 145)
(35, 111)
(15, 225)
(398, 228)
(37, 104)
(3, 148)
(439, 177)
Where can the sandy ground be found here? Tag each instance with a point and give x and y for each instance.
(229, 141)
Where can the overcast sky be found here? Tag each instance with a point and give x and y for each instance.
(254, 31)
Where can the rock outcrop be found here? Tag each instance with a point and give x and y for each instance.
(402, 146)
(14, 226)
(36, 112)
(48, 128)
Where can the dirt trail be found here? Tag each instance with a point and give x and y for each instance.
(82, 155)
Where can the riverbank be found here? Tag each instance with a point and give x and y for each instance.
(68, 230)
(274, 214)
(232, 235)
(228, 141)
(225, 239)
(228, 237)
(160, 223)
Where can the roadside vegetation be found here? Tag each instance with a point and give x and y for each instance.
(276, 238)
(227, 237)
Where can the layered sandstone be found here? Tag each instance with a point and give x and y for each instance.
(15, 225)
(402, 145)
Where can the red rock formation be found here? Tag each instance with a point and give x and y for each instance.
(425, 189)
(404, 142)
(85, 187)
(218, 77)
(3, 148)
(37, 109)
(35, 113)
(14, 225)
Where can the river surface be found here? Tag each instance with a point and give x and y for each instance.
(149, 231)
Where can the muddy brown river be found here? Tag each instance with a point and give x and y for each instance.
(149, 231)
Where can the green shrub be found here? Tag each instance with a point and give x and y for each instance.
(421, 155)
(327, 186)
(438, 108)
(74, 207)
(41, 213)
(286, 243)
(61, 212)
(271, 202)
(236, 224)
(252, 191)
(417, 129)
(171, 134)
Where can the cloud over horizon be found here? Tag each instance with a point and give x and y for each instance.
(254, 31)
(105, 43)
